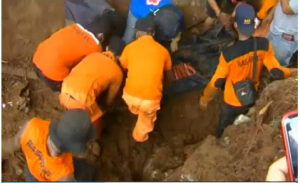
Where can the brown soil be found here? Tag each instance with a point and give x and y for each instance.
(182, 146)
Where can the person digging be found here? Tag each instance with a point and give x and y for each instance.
(93, 85)
(48, 147)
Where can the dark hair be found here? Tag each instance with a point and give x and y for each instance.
(116, 45)
(100, 24)
(145, 25)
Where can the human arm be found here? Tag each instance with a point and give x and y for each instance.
(224, 18)
(273, 66)
(168, 73)
(10, 145)
(217, 82)
(113, 89)
(278, 171)
(68, 178)
(289, 7)
(266, 7)
(270, 16)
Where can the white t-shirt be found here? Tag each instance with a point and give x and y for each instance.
(283, 23)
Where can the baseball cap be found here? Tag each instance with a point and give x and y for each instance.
(145, 24)
(167, 22)
(244, 17)
(73, 131)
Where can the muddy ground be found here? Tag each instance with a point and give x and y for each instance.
(182, 146)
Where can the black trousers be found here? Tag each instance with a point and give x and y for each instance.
(84, 171)
(54, 85)
(227, 116)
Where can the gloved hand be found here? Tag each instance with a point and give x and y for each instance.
(174, 43)
(257, 21)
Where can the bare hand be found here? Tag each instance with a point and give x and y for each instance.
(225, 19)
(278, 171)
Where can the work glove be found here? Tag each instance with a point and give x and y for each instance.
(174, 43)
(257, 21)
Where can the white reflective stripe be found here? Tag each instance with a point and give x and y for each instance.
(97, 41)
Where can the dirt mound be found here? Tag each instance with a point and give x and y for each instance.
(284, 97)
(227, 159)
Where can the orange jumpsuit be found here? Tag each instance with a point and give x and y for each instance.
(146, 60)
(96, 73)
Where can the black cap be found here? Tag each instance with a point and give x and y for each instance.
(116, 45)
(145, 24)
(167, 23)
(100, 24)
(73, 131)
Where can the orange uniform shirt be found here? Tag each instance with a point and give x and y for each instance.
(266, 6)
(145, 60)
(57, 55)
(41, 165)
(94, 74)
(236, 64)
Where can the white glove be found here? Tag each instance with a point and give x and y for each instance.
(174, 43)
(257, 22)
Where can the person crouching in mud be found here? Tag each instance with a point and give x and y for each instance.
(57, 55)
(98, 76)
(48, 146)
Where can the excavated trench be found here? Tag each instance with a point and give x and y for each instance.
(180, 123)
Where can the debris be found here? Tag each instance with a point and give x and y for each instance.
(241, 119)
(19, 96)
(7, 69)
(227, 140)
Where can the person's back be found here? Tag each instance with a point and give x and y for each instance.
(63, 50)
(92, 76)
(146, 60)
(239, 60)
(34, 145)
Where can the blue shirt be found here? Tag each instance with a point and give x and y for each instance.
(141, 8)
(283, 23)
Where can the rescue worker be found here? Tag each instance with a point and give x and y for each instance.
(262, 15)
(146, 60)
(48, 146)
(167, 18)
(236, 66)
(214, 12)
(84, 12)
(95, 75)
(283, 32)
(57, 55)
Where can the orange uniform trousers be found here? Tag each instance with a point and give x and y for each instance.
(146, 111)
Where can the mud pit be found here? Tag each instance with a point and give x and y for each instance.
(182, 146)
